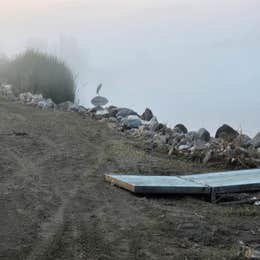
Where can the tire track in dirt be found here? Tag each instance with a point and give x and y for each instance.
(51, 232)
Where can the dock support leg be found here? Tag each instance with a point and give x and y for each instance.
(213, 196)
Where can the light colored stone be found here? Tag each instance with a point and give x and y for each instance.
(131, 121)
(184, 147)
(25, 97)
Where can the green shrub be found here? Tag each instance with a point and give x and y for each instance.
(41, 73)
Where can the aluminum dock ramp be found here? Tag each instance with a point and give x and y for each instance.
(208, 183)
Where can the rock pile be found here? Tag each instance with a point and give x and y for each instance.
(228, 146)
(37, 100)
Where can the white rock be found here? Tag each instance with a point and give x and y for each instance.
(132, 121)
(26, 97)
(184, 147)
(102, 112)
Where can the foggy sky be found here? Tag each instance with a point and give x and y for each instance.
(192, 62)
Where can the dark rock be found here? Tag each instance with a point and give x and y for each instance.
(227, 133)
(181, 128)
(162, 128)
(125, 112)
(147, 115)
(204, 135)
(256, 141)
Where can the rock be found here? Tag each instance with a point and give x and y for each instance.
(227, 133)
(102, 113)
(181, 129)
(184, 147)
(125, 112)
(162, 128)
(153, 124)
(66, 106)
(131, 121)
(46, 104)
(147, 115)
(242, 141)
(204, 135)
(256, 141)
(35, 99)
(26, 97)
(82, 109)
(93, 110)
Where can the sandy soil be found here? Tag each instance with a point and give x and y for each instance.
(54, 203)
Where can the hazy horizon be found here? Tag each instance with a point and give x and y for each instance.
(191, 62)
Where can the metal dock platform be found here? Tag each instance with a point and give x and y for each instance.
(208, 183)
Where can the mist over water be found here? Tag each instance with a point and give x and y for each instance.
(192, 62)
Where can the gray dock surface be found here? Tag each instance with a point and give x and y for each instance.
(208, 183)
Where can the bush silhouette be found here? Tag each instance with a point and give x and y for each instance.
(41, 73)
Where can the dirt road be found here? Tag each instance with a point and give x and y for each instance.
(54, 203)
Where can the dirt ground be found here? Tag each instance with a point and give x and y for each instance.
(54, 203)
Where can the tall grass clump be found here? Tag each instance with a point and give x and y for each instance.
(41, 73)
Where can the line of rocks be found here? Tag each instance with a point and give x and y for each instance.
(228, 146)
(37, 100)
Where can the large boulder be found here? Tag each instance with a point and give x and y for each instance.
(204, 135)
(227, 133)
(180, 128)
(256, 141)
(131, 121)
(147, 115)
(125, 112)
